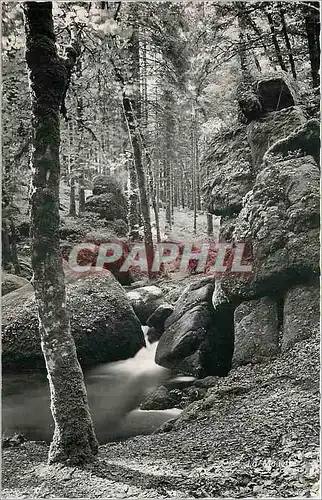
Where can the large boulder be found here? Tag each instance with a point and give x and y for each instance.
(145, 301)
(282, 214)
(159, 399)
(106, 184)
(158, 317)
(108, 206)
(271, 92)
(304, 141)
(267, 130)
(301, 316)
(284, 218)
(103, 323)
(275, 92)
(228, 162)
(191, 342)
(108, 201)
(256, 331)
(11, 282)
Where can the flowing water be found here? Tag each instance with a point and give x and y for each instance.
(115, 390)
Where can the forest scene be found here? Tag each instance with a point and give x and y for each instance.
(160, 249)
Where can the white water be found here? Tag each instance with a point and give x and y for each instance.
(115, 390)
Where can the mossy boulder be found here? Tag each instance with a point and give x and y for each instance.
(145, 301)
(193, 341)
(267, 130)
(11, 282)
(106, 184)
(271, 92)
(228, 162)
(276, 91)
(301, 315)
(283, 218)
(103, 323)
(304, 141)
(256, 331)
(108, 206)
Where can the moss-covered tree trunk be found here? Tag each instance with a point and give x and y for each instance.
(74, 440)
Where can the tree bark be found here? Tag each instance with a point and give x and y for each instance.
(5, 246)
(132, 112)
(210, 225)
(312, 27)
(287, 43)
(14, 251)
(74, 439)
(169, 126)
(71, 164)
(80, 166)
(275, 41)
(137, 155)
(242, 45)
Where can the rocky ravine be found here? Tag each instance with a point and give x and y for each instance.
(255, 434)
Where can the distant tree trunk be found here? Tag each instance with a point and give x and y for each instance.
(258, 32)
(172, 194)
(80, 166)
(194, 149)
(169, 131)
(242, 48)
(133, 202)
(287, 43)
(275, 41)
(5, 244)
(81, 194)
(131, 107)
(312, 26)
(14, 252)
(72, 200)
(210, 225)
(182, 184)
(137, 155)
(145, 83)
(74, 440)
(153, 194)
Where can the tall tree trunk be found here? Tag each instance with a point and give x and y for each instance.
(242, 45)
(72, 197)
(137, 155)
(14, 251)
(194, 166)
(74, 439)
(80, 166)
(275, 41)
(182, 186)
(210, 225)
(287, 43)
(72, 192)
(132, 110)
(153, 194)
(5, 246)
(169, 125)
(312, 27)
(133, 202)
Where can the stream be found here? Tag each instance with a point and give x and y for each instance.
(115, 391)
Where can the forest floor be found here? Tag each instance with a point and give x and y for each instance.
(255, 434)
